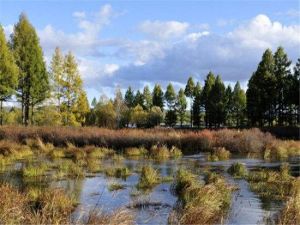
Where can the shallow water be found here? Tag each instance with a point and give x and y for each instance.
(93, 191)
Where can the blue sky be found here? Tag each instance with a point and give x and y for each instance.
(142, 42)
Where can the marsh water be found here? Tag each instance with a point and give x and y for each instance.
(154, 206)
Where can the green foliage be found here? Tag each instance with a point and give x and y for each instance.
(129, 97)
(181, 105)
(238, 105)
(8, 72)
(157, 97)
(147, 98)
(33, 85)
(189, 92)
(155, 116)
(197, 102)
(139, 99)
(209, 83)
(106, 115)
(149, 178)
(139, 116)
(171, 118)
(238, 170)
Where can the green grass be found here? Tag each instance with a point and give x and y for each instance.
(35, 170)
(132, 152)
(238, 170)
(206, 203)
(67, 168)
(118, 172)
(218, 154)
(271, 184)
(149, 178)
(116, 187)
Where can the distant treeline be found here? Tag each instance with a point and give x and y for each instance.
(55, 96)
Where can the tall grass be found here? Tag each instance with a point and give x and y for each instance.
(201, 203)
(251, 140)
(149, 178)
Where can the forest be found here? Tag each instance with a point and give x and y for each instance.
(54, 95)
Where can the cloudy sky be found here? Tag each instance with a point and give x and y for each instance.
(141, 42)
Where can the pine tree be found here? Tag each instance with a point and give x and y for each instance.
(228, 106)
(216, 103)
(181, 104)
(197, 105)
(189, 92)
(238, 104)
(94, 102)
(158, 97)
(209, 82)
(129, 98)
(33, 85)
(261, 92)
(8, 72)
(281, 72)
(147, 98)
(139, 99)
(170, 97)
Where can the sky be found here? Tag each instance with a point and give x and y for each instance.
(134, 43)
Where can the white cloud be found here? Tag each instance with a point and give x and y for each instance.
(234, 55)
(164, 30)
(80, 14)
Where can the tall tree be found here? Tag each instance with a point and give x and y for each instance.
(216, 103)
(57, 72)
(189, 92)
(8, 72)
(158, 97)
(33, 84)
(129, 98)
(71, 89)
(81, 108)
(139, 99)
(228, 106)
(181, 104)
(197, 105)
(147, 98)
(261, 92)
(281, 72)
(238, 104)
(170, 97)
(209, 82)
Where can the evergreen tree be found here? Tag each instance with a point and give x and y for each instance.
(33, 85)
(170, 97)
(189, 92)
(139, 99)
(8, 72)
(147, 98)
(197, 105)
(261, 92)
(238, 104)
(181, 104)
(158, 97)
(209, 82)
(281, 72)
(119, 106)
(216, 103)
(228, 106)
(129, 98)
(155, 116)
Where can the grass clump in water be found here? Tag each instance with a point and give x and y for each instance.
(94, 166)
(159, 152)
(57, 153)
(149, 178)
(35, 170)
(207, 203)
(175, 152)
(271, 184)
(67, 168)
(132, 152)
(219, 154)
(119, 172)
(281, 150)
(238, 170)
(290, 214)
(116, 187)
(99, 153)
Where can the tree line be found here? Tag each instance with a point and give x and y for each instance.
(55, 95)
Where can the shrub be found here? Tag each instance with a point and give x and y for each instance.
(148, 178)
(219, 153)
(238, 170)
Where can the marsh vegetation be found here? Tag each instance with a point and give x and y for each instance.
(61, 179)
